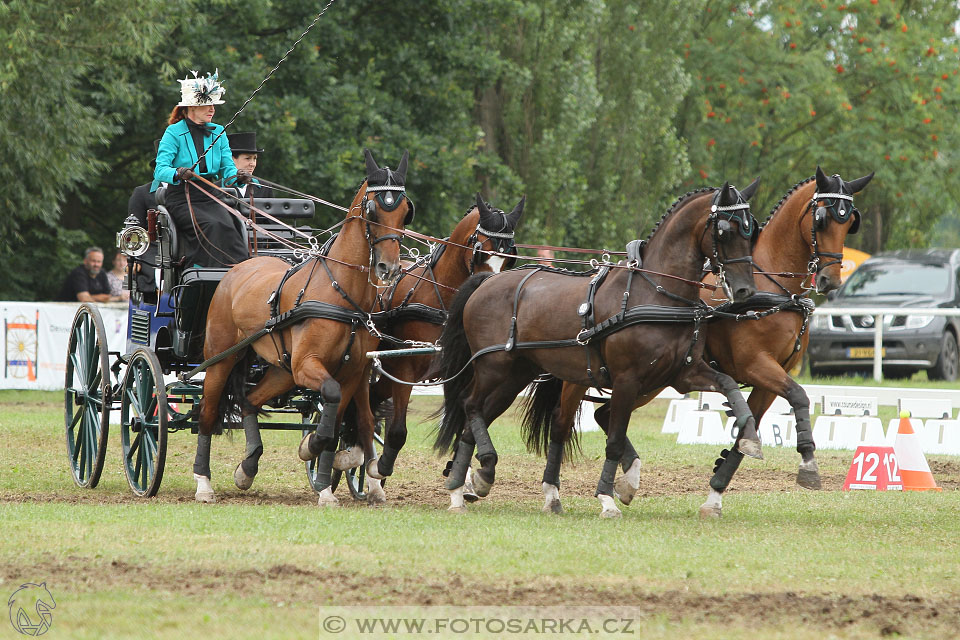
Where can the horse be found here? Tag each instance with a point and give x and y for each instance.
(506, 330)
(804, 233)
(798, 240)
(324, 351)
(414, 309)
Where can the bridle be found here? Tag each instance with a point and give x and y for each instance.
(818, 221)
(502, 243)
(388, 196)
(719, 219)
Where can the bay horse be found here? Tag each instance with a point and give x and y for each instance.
(324, 353)
(415, 308)
(803, 237)
(630, 334)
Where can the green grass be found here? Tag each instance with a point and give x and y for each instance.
(258, 565)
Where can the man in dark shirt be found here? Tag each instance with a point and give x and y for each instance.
(88, 282)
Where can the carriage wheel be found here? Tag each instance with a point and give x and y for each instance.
(143, 423)
(87, 396)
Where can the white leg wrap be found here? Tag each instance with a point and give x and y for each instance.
(327, 499)
(610, 509)
(204, 489)
(457, 505)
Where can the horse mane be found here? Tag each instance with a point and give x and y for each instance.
(676, 205)
(777, 206)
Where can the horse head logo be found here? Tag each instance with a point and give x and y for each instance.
(30, 607)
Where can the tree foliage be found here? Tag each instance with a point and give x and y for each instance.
(601, 111)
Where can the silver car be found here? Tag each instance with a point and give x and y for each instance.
(905, 278)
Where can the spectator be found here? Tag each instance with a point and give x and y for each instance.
(117, 275)
(209, 235)
(245, 156)
(88, 282)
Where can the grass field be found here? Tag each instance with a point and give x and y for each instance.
(782, 563)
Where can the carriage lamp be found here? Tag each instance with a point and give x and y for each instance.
(133, 240)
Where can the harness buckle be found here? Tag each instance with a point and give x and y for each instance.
(581, 340)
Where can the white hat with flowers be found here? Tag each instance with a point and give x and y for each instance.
(200, 92)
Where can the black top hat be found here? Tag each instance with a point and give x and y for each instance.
(245, 142)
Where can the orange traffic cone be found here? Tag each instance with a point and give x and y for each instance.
(914, 469)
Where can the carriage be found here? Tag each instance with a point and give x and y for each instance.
(153, 383)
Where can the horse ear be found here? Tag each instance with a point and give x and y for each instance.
(402, 167)
(371, 163)
(857, 185)
(724, 193)
(480, 203)
(821, 180)
(514, 216)
(750, 190)
(486, 216)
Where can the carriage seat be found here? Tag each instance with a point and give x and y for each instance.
(282, 208)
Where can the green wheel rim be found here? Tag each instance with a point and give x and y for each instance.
(143, 423)
(87, 397)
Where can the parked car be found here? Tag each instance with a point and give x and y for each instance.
(906, 278)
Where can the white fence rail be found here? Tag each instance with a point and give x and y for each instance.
(878, 314)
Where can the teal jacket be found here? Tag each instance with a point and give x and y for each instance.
(176, 149)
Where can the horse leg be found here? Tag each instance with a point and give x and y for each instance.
(747, 442)
(460, 471)
(808, 474)
(313, 444)
(395, 435)
(213, 384)
(622, 401)
(561, 429)
(274, 382)
(365, 428)
(626, 485)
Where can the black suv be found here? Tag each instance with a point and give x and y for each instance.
(905, 278)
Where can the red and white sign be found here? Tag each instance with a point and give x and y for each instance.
(874, 468)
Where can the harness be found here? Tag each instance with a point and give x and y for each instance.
(502, 243)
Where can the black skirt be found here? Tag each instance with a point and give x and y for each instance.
(211, 236)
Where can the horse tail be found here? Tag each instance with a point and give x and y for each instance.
(454, 355)
(233, 398)
(538, 415)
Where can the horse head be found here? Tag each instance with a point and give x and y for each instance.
(832, 217)
(387, 210)
(728, 239)
(494, 232)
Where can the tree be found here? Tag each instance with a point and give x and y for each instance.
(781, 88)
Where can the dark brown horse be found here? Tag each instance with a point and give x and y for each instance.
(624, 329)
(417, 303)
(804, 235)
(318, 353)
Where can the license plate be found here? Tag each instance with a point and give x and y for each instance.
(864, 352)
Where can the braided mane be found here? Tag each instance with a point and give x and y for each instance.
(676, 204)
(777, 206)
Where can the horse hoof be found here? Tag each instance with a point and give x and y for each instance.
(303, 451)
(204, 490)
(327, 499)
(458, 509)
(480, 486)
(373, 471)
(751, 448)
(710, 512)
(809, 479)
(553, 506)
(375, 493)
(469, 493)
(623, 490)
(348, 459)
(242, 480)
(611, 514)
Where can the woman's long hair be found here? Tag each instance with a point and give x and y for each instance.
(178, 114)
